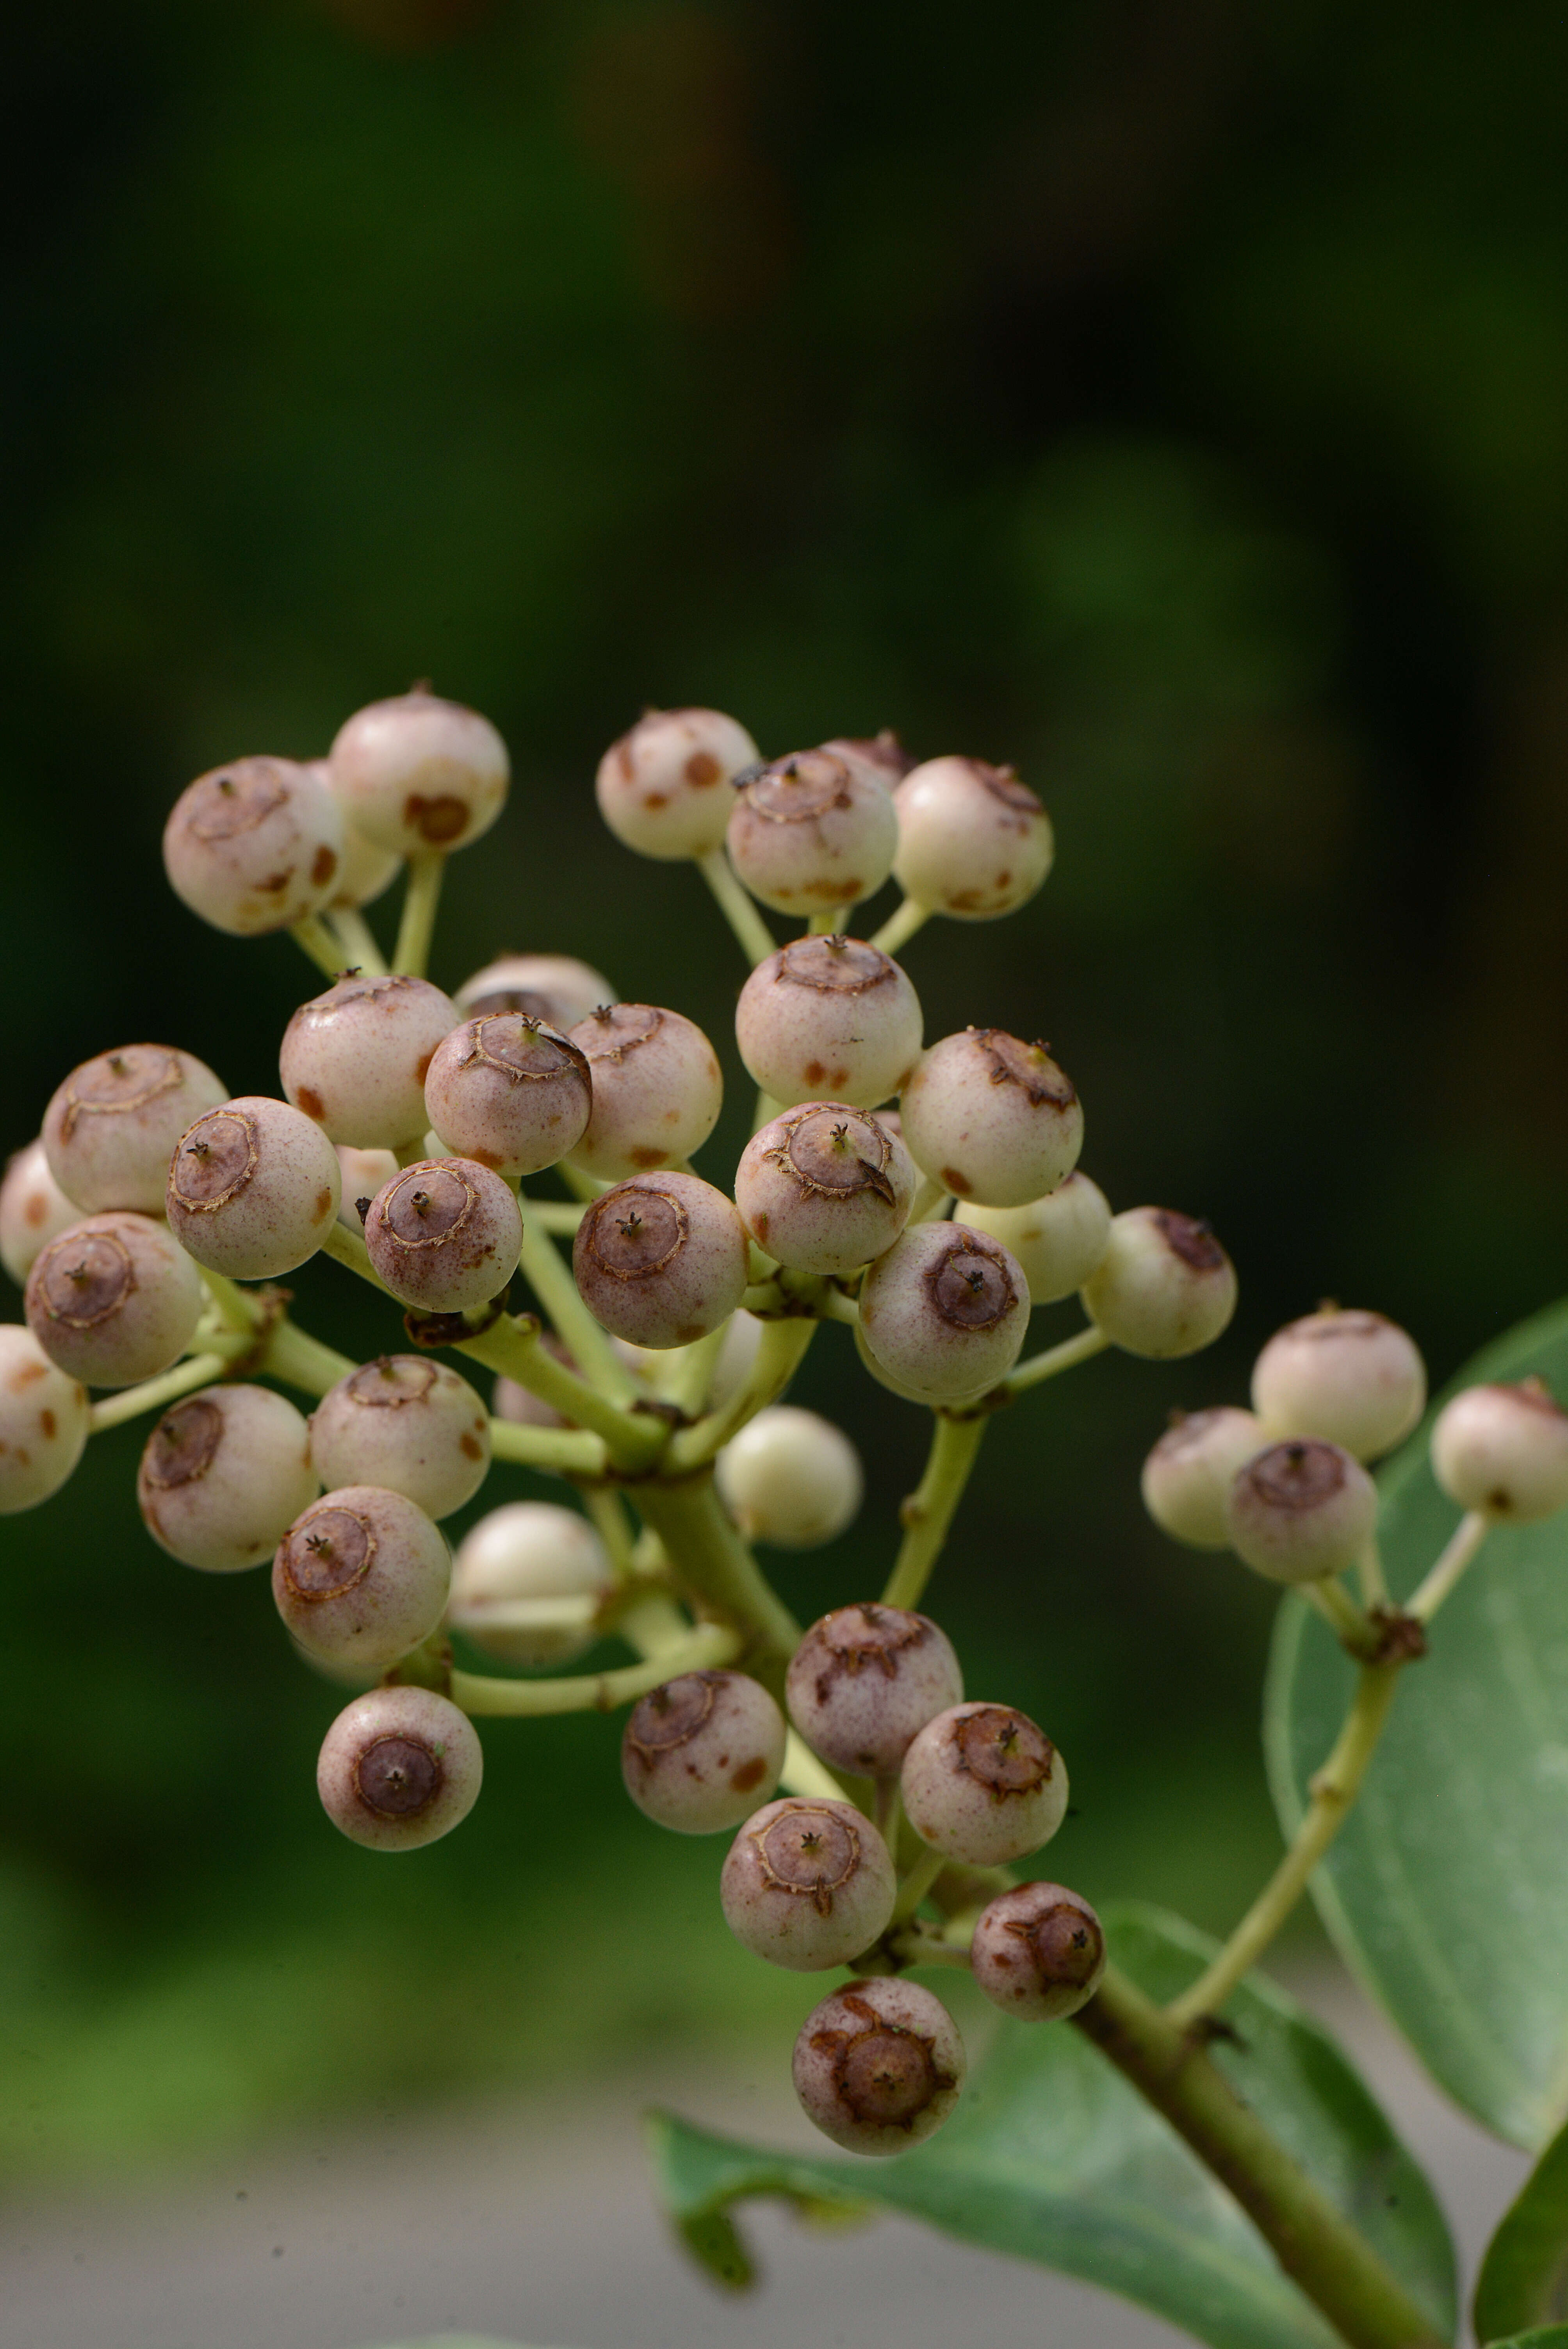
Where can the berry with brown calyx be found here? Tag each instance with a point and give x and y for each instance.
(407, 1423)
(1301, 1510)
(866, 1680)
(992, 1118)
(34, 1210)
(254, 846)
(811, 831)
(790, 1479)
(252, 1188)
(1164, 1286)
(829, 1018)
(1353, 1378)
(1504, 1449)
(664, 788)
(45, 1417)
(355, 1058)
(398, 1768)
(983, 1783)
(223, 1475)
(824, 1187)
(110, 1127)
(808, 1884)
(508, 1091)
(556, 988)
(417, 772)
(1187, 1478)
(657, 1090)
(361, 1577)
(115, 1299)
(445, 1235)
(661, 1260)
(946, 1311)
(1059, 1240)
(511, 1568)
(1039, 1952)
(881, 756)
(879, 2065)
(973, 841)
(700, 1752)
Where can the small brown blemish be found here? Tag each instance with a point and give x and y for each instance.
(760, 1225)
(324, 866)
(275, 882)
(654, 800)
(322, 1203)
(311, 1101)
(751, 1773)
(702, 769)
(648, 1159)
(36, 1208)
(470, 1447)
(46, 1421)
(27, 1375)
(814, 1072)
(957, 1181)
(436, 819)
(422, 1066)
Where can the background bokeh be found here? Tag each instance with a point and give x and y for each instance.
(1171, 399)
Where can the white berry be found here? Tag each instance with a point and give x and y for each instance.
(34, 1210)
(810, 832)
(992, 1118)
(974, 842)
(829, 1019)
(556, 988)
(110, 1127)
(699, 1751)
(1039, 1952)
(253, 1188)
(1164, 1286)
(657, 1090)
(1504, 1449)
(664, 788)
(115, 1299)
(824, 1187)
(45, 1417)
(417, 772)
(983, 1783)
(445, 1235)
(254, 846)
(361, 1577)
(661, 1260)
(508, 1091)
(1187, 1478)
(513, 1566)
(1350, 1377)
(866, 1680)
(357, 1057)
(398, 1768)
(878, 2067)
(223, 1475)
(408, 1423)
(808, 1884)
(1059, 1240)
(1300, 1510)
(790, 1479)
(946, 1311)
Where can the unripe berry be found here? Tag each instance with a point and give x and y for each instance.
(398, 1768)
(790, 1479)
(866, 1680)
(1300, 1510)
(408, 1424)
(114, 1299)
(811, 831)
(879, 2065)
(252, 1188)
(1354, 1379)
(661, 1260)
(417, 772)
(698, 1751)
(657, 1090)
(1164, 1286)
(881, 756)
(973, 841)
(367, 872)
(1039, 1952)
(357, 1057)
(556, 988)
(44, 1415)
(445, 1235)
(946, 1311)
(1187, 1478)
(991, 1118)
(364, 1172)
(808, 1884)
(829, 1018)
(824, 1188)
(254, 846)
(509, 1092)
(1504, 1449)
(223, 1475)
(983, 1784)
(110, 1127)
(663, 789)
(521, 1555)
(1058, 1239)
(34, 1210)
(361, 1577)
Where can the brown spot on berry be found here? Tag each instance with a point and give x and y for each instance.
(26, 1375)
(970, 1284)
(422, 1066)
(184, 1444)
(48, 1424)
(808, 1852)
(957, 1181)
(324, 866)
(325, 1554)
(648, 1158)
(85, 1278)
(1297, 1477)
(396, 1777)
(751, 1773)
(438, 819)
(702, 770)
(1003, 1750)
(215, 1161)
(1192, 1241)
(324, 1206)
(470, 1447)
(311, 1101)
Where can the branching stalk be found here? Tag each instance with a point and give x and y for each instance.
(296, 1358)
(411, 955)
(360, 951)
(928, 1512)
(1466, 1540)
(1353, 1628)
(635, 1441)
(901, 926)
(739, 910)
(779, 1352)
(310, 935)
(711, 1644)
(1081, 1347)
(151, 1394)
(716, 1567)
(916, 1885)
(573, 1450)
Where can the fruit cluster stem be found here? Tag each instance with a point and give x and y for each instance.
(929, 1510)
(411, 954)
(779, 1352)
(739, 909)
(716, 1567)
(151, 1394)
(549, 1277)
(1081, 1347)
(901, 926)
(315, 941)
(1435, 1585)
(360, 951)
(709, 1645)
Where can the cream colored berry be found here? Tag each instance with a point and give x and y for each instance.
(829, 1019)
(1187, 1478)
(556, 988)
(881, 756)
(110, 1127)
(700, 1751)
(223, 1475)
(946, 1311)
(366, 870)
(1039, 1952)
(984, 1783)
(363, 1173)
(866, 1680)
(1300, 1510)
(399, 1767)
(416, 773)
(661, 1260)
(1059, 1240)
(824, 1187)
(254, 846)
(810, 832)
(790, 1478)
(518, 1572)
(445, 1235)
(1164, 1286)
(973, 841)
(408, 1423)
(1353, 1378)
(808, 1884)
(357, 1057)
(878, 2067)
(508, 1091)
(34, 1210)
(115, 1299)
(664, 788)
(657, 1090)
(361, 1577)
(992, 1118)
(1504, 1449)
(45, 1416)
(253, 1189)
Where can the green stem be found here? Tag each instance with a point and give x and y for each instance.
(411, 955)
(561, 1216)
(296, 1358)
(739, 909)
(690, 1371)
(803, 1773)
(1313, 2240)
(1081, 1347)
(608, 1512)
(360, 951)
(634, 1440)
(549, 1277)
(928, 1512)
(348, 1248)
(901, 926)
(714, 1565)
(1353, 1628)
(571, 1451)
(313, 939)
(916, 1885)
(198, 1371)
(709, 1645)
(779, 1355)
(1434, 1588)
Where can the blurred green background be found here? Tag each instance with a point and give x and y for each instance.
(1171, 398)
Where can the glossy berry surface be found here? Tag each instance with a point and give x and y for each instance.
(661, 1260)
(700, 1752)
(824, 1187)
(361, 1577)
(115, 1299)
(406, 1423)
(445, 1235)
(992, 1118)
(111, 1125)
(1300, 1509)
(252, 1188)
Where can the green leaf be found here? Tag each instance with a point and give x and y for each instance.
(1524, 2278)
(1052, 2157)
(1542, 2336)
(1447, 1890)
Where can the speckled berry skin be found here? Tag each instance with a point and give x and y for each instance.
(361, 1577)
(661, 1260)
(879, 2066)
(44, 1421)
(556, 988)
(223, 1475)
(790, 1479)
(110, 1128)
(866, 1680)
(811, 831)
(808, 1884)
(355, 1058)
(829, 1019)
(1163, 1287)
(399, 1767)
(825, 1187)
(253, 1189)
(408, 1423)
(973, 841)
(34, 1210)
(417, 772)
(1300, 1509)
(254, 846)
(699, 1753)
(657, 1090)
(1187, 1478)
(664, 788)
(1058, 1239)
(520, 1556)
(946, 1311)
(508, 1093)
(114, 1301)
(983, 1783)
(1504, 1449)
(991, 1118)
(364, 1172)
(445, 1235)
(1039, 1952)
(1353, 1378)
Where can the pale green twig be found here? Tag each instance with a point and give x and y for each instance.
(901, 926)
(778, 1357)
(739, 909)
(360, 951)
(1080, 1348)
(151, 1394)
(411, 955)
(1466, 1540)
(310, 935)
(709, 1645)
(929, 1510)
